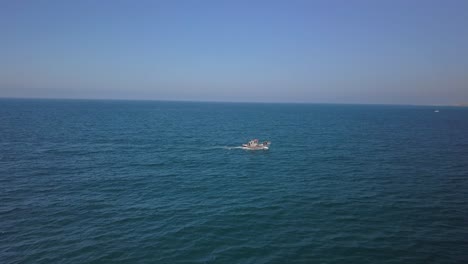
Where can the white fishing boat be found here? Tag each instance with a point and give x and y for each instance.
(254, 145)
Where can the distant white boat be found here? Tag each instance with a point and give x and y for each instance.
(436, 111)
(254, 145)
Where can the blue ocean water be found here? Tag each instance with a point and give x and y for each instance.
(159, 182)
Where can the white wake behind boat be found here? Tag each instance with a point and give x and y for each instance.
(254, 145)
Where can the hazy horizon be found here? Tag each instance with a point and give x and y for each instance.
(357, 52)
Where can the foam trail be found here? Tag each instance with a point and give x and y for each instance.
(229, 148)
(239, 147)
(223, 147)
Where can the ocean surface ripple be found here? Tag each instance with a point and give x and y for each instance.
(163, 182)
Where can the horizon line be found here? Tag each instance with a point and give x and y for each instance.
(223, 101)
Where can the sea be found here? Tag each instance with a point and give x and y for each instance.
(108, 181)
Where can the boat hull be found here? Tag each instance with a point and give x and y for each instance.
(254, 145)
(255, 148)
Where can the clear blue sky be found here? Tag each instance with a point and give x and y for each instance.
(402, 52)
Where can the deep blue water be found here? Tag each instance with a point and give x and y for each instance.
(156, 182)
